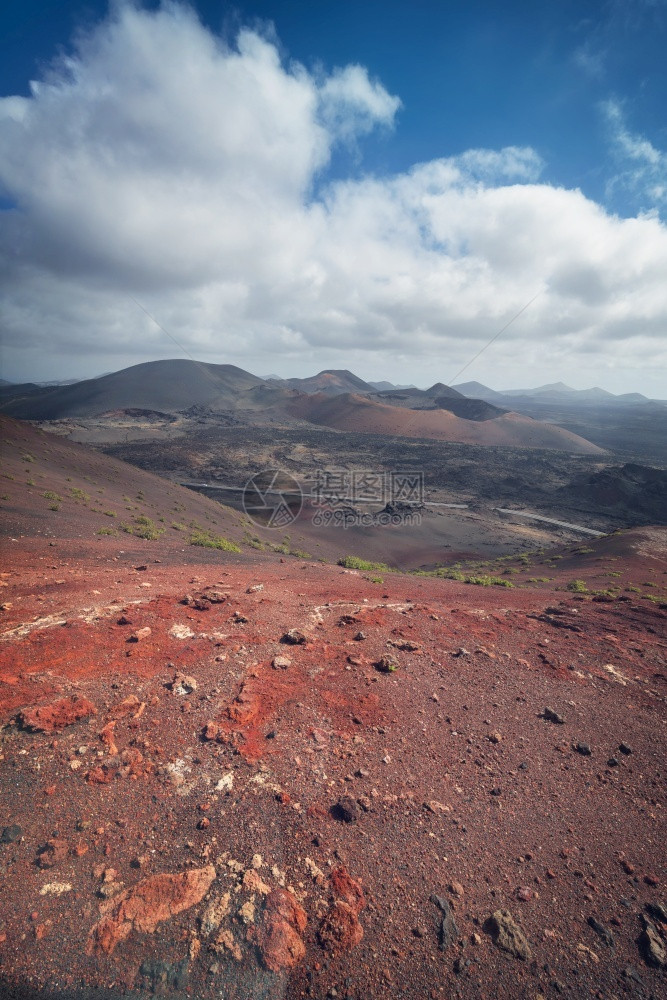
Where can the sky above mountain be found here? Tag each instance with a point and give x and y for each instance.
(415, 192)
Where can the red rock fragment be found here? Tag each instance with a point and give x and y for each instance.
(344, 887)
(146, 905)
(278, 936)
(99, 776)
(128, 706)
(57, 715)
(107, 737)
(53, 852)
(211, 731)
(340, 930)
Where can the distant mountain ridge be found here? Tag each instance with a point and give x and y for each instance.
(334, 398)
(556, 391)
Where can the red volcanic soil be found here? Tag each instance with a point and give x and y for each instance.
(193, 806)
(351, 412)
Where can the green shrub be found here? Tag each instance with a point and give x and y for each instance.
(488, 581)
(354, 562)
(110, 513)
(28, 457)
(79, 494)
(577, 587)
(143, 527)
(106, 531)
(50, 495)
(208, 540)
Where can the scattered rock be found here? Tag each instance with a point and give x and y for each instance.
(55, 888)
(625, 749)
(11, 834)
(360, 636)
(57, 715)
(346, 809)
(386, 665)
(279, 933)
(651, 945)
(583, 749)
(602, 932)
(225, 941)
(507, 934)
(215, 913)
(211, 731)
(552, 716)
(281, 663)
(53, 852)
(658, 911)
(461, 651)
(128, 706)
(340, 930)
(448, 932)
(145, 905)
(293, 637)
(182, 684)
(140, 634)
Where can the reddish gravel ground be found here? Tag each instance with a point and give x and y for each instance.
(192, 807)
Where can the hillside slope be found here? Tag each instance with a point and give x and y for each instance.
(354, 412)
(440, 789)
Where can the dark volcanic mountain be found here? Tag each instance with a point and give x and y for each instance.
(165, 386)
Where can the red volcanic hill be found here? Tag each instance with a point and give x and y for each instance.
(352, 412)
(331, 381)
(230, 775)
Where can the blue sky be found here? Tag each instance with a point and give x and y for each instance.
(466, 146)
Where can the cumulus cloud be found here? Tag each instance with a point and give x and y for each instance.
(159, 164)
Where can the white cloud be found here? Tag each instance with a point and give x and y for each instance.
(642, 167)
(159, 164)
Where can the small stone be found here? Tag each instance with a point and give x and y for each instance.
(613, 762)
(507, 934)
(456, 889)
(386, 665)
(625, 749)
(11, 834)
(524, 893)
(448, 931)
(347, 809)
(140, 634)
(360, 636)
(552, 716)
(658, 911)
(53, 852)
(281, 663)
(182, 684)
(494, 738)
(651, 944)
(602, 932)
(583, 748)
(461, 651)
(293, 637)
